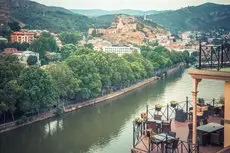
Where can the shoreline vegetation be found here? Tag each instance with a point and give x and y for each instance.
(73, 107)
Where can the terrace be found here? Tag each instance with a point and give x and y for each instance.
(191, 126)
(168, 120)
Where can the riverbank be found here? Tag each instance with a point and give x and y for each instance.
(13, 125)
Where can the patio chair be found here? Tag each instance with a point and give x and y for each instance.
(211, 110)
(203, 138)
(222, 121)
(205, 121)
(172, 146)
(172, 134)
(166, 127)
(217, 138)
(157, 118)
(155, 144)
(152, 125)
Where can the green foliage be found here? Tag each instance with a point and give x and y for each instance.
(43, 44)
(38, 16)
(39, 91)
(67, 50)
(14, 26)
(70, 38)
(84, 67)
(64, 80)
(206, 17)
(32, 60)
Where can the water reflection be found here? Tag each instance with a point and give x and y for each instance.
(53, 126)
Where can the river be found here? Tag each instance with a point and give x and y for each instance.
(106, 127)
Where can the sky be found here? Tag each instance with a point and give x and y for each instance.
(128, 4)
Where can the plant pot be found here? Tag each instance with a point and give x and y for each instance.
(158, 109)
(173, 105)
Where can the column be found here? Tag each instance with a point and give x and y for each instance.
(227, 114)
(194, 100)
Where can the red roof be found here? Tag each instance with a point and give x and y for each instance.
(11, 51)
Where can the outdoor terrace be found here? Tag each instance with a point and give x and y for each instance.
(141, 139)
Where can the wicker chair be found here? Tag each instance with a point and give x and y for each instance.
(172, 146)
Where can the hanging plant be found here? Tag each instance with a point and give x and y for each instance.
(158, 107)
(173, 104)
(138, 121)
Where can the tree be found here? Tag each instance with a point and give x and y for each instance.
(89, 46)
(14, 26)
(64, 80)
(11, 96)
(32, 60)
(43, 44)
(39, 91)
(67, 50)
(70, 38)
(84, 68)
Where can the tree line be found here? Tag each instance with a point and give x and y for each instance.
(80, 74)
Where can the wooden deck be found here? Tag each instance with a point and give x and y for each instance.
(182, 131)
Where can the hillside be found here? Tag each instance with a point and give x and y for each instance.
(99, 12)
(126, 30)
(37, 16)
(208, 16)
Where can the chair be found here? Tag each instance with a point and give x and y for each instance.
(217, 138)
(156, 143)
(203, 138)
(172, 146)
(205, 121)
(152, 125)
(166, 127)
(157, 118)
(172, 134)
(222, 121)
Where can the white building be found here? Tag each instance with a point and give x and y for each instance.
(23, 56)
(120, 50)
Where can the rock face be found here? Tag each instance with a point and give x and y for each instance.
(128, 30)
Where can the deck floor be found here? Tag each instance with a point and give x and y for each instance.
(182, 131)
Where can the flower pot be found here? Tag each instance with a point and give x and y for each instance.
(173, 105)
(158, 109)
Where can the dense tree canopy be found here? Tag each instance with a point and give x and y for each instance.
(70, 38)
(39, 91)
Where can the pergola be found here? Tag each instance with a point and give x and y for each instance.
(197, 76)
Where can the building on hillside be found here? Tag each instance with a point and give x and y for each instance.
(22, 36)
(22, 55)
(120, 50)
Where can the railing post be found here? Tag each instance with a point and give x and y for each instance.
(147, 110)
(187, 105)
(200, 56)
(167, 112)
(134, 135)
(181, 145)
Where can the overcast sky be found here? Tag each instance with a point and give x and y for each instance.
(127, 4)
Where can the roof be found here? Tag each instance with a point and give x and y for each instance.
(11, 51)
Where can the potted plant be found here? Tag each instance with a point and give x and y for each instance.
(173, 104)
(201, 101)
(138, 121)
(158, 107)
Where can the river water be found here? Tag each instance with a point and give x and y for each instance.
(106, 127)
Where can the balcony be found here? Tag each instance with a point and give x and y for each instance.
(141, 137)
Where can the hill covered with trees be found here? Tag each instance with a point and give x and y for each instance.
(37, 16)
(208, 16)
